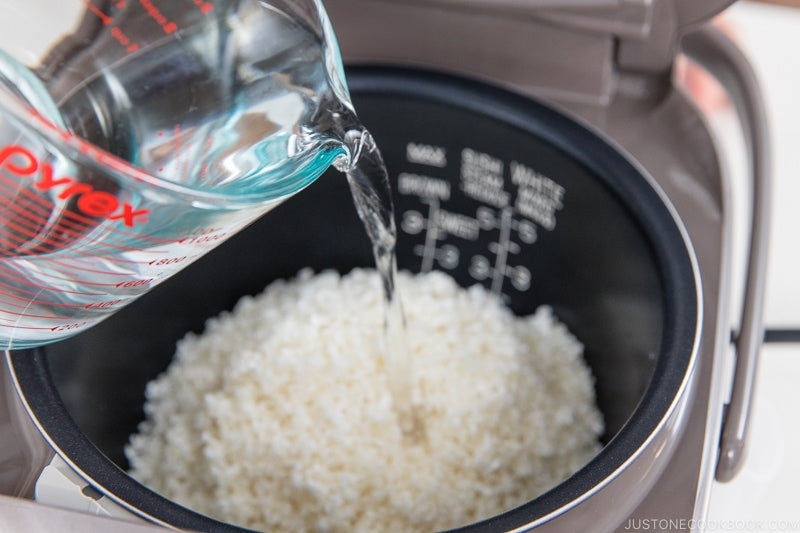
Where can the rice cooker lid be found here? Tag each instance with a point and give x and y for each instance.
(647, 31)
(30, 367)
(625, 15)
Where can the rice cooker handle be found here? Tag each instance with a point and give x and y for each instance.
(720, 56)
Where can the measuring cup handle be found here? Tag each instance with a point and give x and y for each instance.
(714, 51)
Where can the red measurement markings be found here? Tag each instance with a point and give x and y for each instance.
(26, 226)
(116, 32)
(105, 19)
(26, 308)
(62, 279)
(119, 284)
(160, 134)
(34, 203)
(134, 283)
(205, 7)
(15, 322)
(123, 39)
(71, 267)
(66, 327)
(23, 204)
(15, 245)
(204, 236)
(89, 253)
(27, 313)
(204, 240)
(183, 153)
(17, 326)
(206, 151)
(158, 17)
(85, 252)
(103, 305)
(10, 274)
(57, 237)
(188, 157)
(178, 149)
(168, 261)
(32, 222)
(56, 329)
(25, 302)
(17, 224)
(32, 210)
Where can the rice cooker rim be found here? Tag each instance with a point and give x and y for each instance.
(626, 178)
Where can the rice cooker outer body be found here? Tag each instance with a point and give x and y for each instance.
(620, 87)
(662, 132)
(598, 498)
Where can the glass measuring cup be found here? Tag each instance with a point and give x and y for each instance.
(137, 136)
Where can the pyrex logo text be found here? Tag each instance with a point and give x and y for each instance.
(20, 161)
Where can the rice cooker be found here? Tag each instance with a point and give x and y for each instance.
(537, 147)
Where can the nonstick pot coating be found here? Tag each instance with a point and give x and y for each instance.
(614, 268)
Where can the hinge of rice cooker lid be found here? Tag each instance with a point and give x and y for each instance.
(647, 31)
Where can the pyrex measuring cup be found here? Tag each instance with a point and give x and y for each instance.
(135, 136)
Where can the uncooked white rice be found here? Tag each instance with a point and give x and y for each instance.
(278, 416)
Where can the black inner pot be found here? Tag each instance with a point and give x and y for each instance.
(614, 268)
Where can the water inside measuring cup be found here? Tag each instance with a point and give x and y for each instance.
(242, 104)
(238, 103)
(248, 101)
